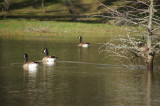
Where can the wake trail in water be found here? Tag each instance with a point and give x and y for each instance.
(107, 66)
(77, 62)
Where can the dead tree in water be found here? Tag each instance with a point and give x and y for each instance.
(143, 41)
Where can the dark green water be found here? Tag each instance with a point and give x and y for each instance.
(79, 78)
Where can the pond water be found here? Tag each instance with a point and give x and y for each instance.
(79, 77)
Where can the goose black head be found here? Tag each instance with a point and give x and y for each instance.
(45, 51)
(79, 37)
(26, 57)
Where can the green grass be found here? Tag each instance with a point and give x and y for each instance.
(34, 28)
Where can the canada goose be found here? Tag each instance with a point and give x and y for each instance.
(82, 44)
(29, 65)
(48, 58)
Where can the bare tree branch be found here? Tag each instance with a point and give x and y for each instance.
(144, 41)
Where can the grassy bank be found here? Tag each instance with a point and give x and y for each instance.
(23, 28)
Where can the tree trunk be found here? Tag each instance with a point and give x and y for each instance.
(150, 63)
(150, 56)
(5, 7)
(43, 6)
(70, 6)
(6, 4)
